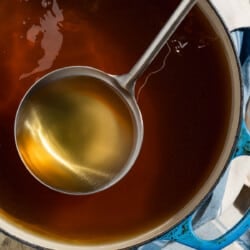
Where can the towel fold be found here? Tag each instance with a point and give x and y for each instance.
(235, 13)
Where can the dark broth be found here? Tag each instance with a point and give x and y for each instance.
(185, 108)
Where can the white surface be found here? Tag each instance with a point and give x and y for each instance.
(238, 176)
(235, 13)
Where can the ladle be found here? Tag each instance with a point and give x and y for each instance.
(79, 130)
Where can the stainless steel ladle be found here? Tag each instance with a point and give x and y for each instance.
(60, 99)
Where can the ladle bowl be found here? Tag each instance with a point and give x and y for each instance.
(73, 140)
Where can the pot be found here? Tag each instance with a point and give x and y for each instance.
(179, 226)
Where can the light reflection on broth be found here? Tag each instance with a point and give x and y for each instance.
(49, 30)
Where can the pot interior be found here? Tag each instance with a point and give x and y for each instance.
(189, 98)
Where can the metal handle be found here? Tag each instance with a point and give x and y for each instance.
(127, 81)
(184, 234)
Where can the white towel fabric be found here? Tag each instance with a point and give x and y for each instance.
(235, 13)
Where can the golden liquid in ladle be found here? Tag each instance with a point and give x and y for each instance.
(75, 134)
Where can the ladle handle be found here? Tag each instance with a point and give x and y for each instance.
(128, 81)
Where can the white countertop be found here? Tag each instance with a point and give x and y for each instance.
(235, 13)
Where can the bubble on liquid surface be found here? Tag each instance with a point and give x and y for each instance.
(45, 3)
